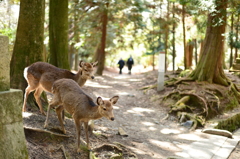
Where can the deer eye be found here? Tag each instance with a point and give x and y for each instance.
(86, 70)
(104, 109)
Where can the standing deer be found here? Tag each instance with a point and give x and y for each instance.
(71, 97)
(40, 77)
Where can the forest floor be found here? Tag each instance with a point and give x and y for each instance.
(139, 113)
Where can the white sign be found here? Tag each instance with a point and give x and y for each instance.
(161, 63)
(161, 71)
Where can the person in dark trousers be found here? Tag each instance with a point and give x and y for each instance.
(130, 62)
(121, 64)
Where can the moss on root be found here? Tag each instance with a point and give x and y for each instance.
(201, 100)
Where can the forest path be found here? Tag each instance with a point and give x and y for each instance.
(139, 113)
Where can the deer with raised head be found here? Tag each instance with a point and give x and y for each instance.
(73, 99)
(40, 77)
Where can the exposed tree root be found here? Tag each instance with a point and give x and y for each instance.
(181, 104)
(64, 151)
(197, 120)
(148, 87)
(176, 81)
(118, 151)
(199, 101)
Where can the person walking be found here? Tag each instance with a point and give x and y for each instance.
(130, 62)
(121, 64)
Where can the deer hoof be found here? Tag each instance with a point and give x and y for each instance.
(45, 125)
(79, 151)
(64, 131)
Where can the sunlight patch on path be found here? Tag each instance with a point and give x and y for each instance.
(96, 85)
(148, 123)
(139, 110)
(164, 145)
(192, 137)
(170, 131)
(135, 80)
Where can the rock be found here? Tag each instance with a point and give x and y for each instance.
(122, 132)
(218, 132)
(187, 124)
(130, 95)
(174, 157)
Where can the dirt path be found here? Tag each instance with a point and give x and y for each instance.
(137, 113)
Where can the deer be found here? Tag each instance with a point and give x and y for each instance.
(40, 77)
(80, 105)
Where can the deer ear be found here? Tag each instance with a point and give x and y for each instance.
(114, 99)
(100, 101)
(81, 63)
(95, 63)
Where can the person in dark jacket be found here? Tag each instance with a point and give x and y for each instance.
(121, 64)
(130, 62)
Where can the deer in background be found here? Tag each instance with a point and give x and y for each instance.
(73, 99)
(40, 77)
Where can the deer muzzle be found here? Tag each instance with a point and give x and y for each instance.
(112, 118)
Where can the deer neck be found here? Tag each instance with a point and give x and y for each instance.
(80, 79)
(96, 112)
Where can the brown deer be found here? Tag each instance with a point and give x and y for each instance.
(71, 97)
(40, 77)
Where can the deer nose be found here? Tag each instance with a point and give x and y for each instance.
(112, 118)
(92, 77)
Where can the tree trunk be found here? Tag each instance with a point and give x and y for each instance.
(210, 66)
(184, 36)
(166, 37)
(173, 41)
(195, 53)
(58, 33)
(28, 47)
(189, 54)
(76, 34)
(237, 27)
(231, 43)
(101, 51)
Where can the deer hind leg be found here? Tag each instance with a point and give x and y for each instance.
(37, 96)
(78, 124)
(52, 104)
(28, 90)
(86, 132)
(59, 111)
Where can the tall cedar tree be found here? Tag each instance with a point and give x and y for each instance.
(101, 48)
(28, 46)
(58, 33)
(210, 66)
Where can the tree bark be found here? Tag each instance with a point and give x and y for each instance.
(231, 43)
(166, 38)
(189, 54)
(184, 36)
(101, 51)
(210, 66)
(58, 33)
(28, 47)
(76, 34)
(237, 27)
(196, 54)
(173, 41)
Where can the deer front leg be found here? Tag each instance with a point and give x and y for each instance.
(37, 95)
(59, 111)
(52, 104)
(27, 91)
(86, 132)
(78, 128)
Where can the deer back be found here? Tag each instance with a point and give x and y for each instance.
(72, 96)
